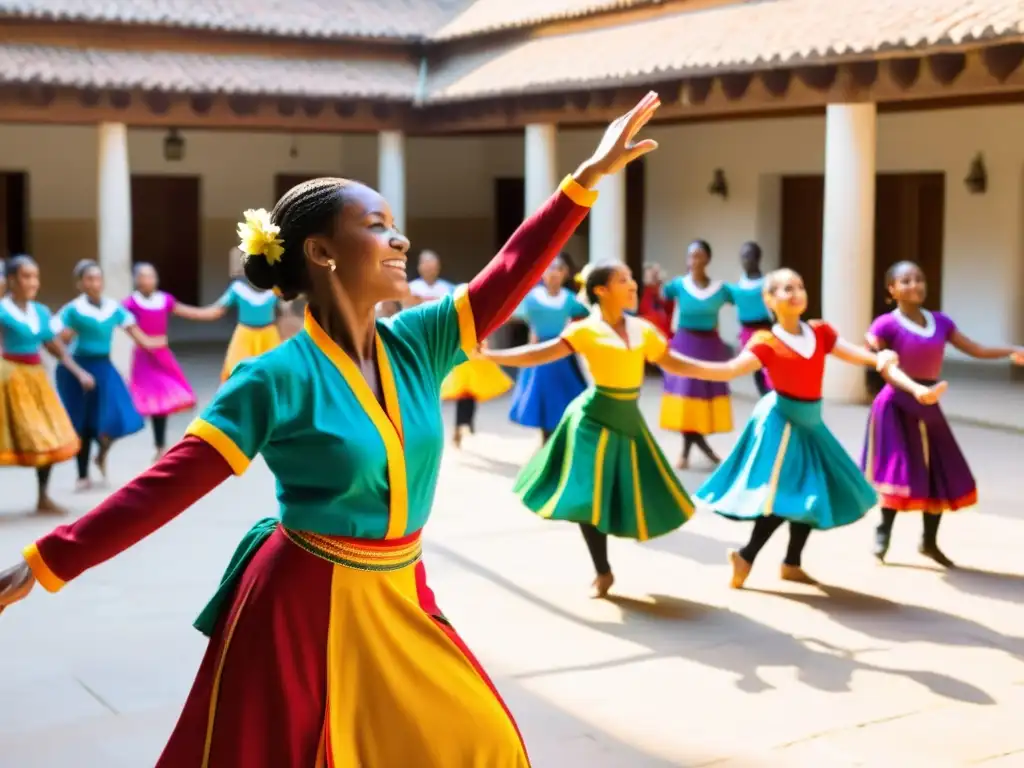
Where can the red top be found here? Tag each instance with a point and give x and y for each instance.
(657, 310)
(793, 374)
(192, 468)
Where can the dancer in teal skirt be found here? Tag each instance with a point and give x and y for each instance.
(787, 465)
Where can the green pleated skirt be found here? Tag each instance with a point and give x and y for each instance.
(602, 466)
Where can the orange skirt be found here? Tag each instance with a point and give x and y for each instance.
(35, 430)
(481, 380)
(248, 342)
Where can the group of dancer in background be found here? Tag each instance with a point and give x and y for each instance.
(92, 405)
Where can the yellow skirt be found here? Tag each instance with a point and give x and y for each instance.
(481, 380)
(35, 430)
(249, 342)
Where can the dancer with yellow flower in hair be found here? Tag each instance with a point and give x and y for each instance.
(602, 468)
(258, 310)
(327, 646)
(35, 430)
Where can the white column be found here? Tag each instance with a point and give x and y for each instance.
(541, 162)
(849, 237)
(391, 173)
(608, 220)
(114, 224)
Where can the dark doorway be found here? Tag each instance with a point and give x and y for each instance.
(165, 231)
(636, 185)
(803, 212)
(13, 213)
(509, 212)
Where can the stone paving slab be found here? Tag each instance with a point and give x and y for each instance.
(903, 665)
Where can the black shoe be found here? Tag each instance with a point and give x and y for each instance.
(933, 552)
(881, 545)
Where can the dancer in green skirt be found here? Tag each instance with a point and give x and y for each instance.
(601, 467)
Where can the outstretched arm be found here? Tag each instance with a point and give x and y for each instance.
(681, 365)
(886, 362)
(504, 282)
(970, 347)
(202, 314)
(145, 340)
(529, 355)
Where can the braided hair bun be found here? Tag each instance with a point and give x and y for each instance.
(303, 211)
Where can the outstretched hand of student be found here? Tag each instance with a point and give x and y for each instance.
(87, 381)
(886, 360)
(617, 148)
(1017, 357)
(15, 584)
(930, 395)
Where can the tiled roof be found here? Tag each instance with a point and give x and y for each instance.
(383, 19)
(203, 73)
(747, 35)
(395, 19)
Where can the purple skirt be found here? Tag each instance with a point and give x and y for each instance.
(695, 405)
(911, 457)
(746, 332)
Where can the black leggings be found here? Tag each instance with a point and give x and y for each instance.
(546, 434)
(465, 413)
(930, 524)
(102, 443)
(691, 439)
(764, 527)
(597, 544)
(43, 476)
(160, 432)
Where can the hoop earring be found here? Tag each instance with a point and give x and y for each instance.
(332, 265)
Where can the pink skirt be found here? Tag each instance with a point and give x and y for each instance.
(158, 385)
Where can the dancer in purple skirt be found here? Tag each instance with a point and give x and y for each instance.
(158, 385)
(910, 455)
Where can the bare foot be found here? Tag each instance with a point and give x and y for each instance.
(740, 569)
(83, 485)
(101, 461)
(797, 574)
(48, 506)
(601, 585)
(160, 452)
(683, 463)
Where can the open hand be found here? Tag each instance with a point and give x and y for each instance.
(15, 584)
(1017, 357)
(617, 148)
(931, 395)
(87, 381)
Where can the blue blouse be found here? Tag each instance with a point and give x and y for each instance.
(24, 331)
(548, 315)
(697, 308)
(256, 309)
(748, 296)
(93, 325)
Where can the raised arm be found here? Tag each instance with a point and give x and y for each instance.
(189, 471)
(529, 355)
(680, 365)
(504, 282)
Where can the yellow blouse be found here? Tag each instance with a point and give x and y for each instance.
(611, 362)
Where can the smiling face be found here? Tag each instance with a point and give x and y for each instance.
(697, 260)
(24, 283)
(785, 294)
(907, 285)
(91, 283)
(145, 280)
(555, 276)
(619, 293)
(368, 252)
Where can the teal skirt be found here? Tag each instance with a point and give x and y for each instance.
(788, 464)
(602, 466)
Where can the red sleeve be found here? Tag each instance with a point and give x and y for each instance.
(827, 335)
(495, 292)
(761, 346)
(190, 470)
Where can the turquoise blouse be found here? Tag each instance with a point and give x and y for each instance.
(548, 315)
(93, 325)
(697, 308)
(24, 331)
(256, 309)
(748, 296)
(346, 465)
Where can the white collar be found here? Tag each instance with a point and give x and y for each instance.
(701, 293)
(746, 282)
(251, 295)
(101, 313)
(156, 300)
(634, 329)
(926, 331)
(804, 345)
(28, 317)
(540, 293)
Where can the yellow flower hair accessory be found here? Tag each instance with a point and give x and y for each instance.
(259, 237)
(581, 282)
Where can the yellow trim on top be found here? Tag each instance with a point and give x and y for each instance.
(221, 443)
(467, 325)
(602, 448)
(773, 482)
(638, 496)
(583, 197)
(387, 424)
(389, 388)
(47, 579)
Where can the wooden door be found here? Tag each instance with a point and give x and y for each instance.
(13, 213)
(165, 231)
(636, 181)
(803, 213)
